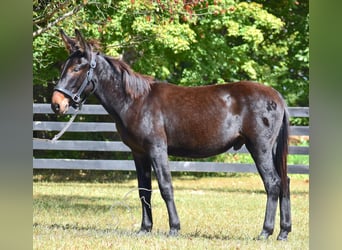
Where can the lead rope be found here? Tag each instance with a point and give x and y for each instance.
(56, 137)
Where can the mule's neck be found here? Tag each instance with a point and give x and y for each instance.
(110, 91)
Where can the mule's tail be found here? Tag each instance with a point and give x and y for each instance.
(281, 151)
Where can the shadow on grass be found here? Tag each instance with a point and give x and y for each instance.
(87, 230)
(81, 203)
(105, 176)
(95, 231)
(68, 175)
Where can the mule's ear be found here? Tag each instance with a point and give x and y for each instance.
(68, 42)
(82, 43)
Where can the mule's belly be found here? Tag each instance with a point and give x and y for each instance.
(197, 152)
(211, 144)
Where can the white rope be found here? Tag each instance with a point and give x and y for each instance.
(123, 203)
(56, 137)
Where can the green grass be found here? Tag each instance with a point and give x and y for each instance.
(215, 213)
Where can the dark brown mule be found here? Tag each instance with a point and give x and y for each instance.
(157, 119)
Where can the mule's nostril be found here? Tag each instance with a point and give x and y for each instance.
(55, 107)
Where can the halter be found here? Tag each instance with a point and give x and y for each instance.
(76, 98)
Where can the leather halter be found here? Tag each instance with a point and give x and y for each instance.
(76, 98)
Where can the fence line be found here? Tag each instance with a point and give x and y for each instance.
(42, 144)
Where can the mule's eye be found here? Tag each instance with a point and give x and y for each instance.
(77, 68)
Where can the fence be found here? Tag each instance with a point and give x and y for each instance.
(42, 122)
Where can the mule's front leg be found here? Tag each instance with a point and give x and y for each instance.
(143, 168)
(160, 165)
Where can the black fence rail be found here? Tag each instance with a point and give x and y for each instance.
(42, 122)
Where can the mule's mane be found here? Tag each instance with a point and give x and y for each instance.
(135, 85)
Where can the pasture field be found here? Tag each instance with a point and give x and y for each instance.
(215, 213)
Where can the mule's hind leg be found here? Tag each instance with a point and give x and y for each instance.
(143, 168)
(285, 213)
(264, 163)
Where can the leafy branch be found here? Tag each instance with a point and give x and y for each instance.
(45, 17)
(53, 23)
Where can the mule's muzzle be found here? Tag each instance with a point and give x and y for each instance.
(59, 103)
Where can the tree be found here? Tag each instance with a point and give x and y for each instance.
(184, 42)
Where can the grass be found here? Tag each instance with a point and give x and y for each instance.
(215, 213)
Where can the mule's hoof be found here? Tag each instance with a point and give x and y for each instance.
(264, 235)
(173, 232)
(143, 232)
(282, 235)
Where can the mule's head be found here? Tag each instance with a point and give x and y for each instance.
(76, 79)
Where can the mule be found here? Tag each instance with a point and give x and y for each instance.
(157, 119)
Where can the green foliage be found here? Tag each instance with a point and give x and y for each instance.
(185, 42)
